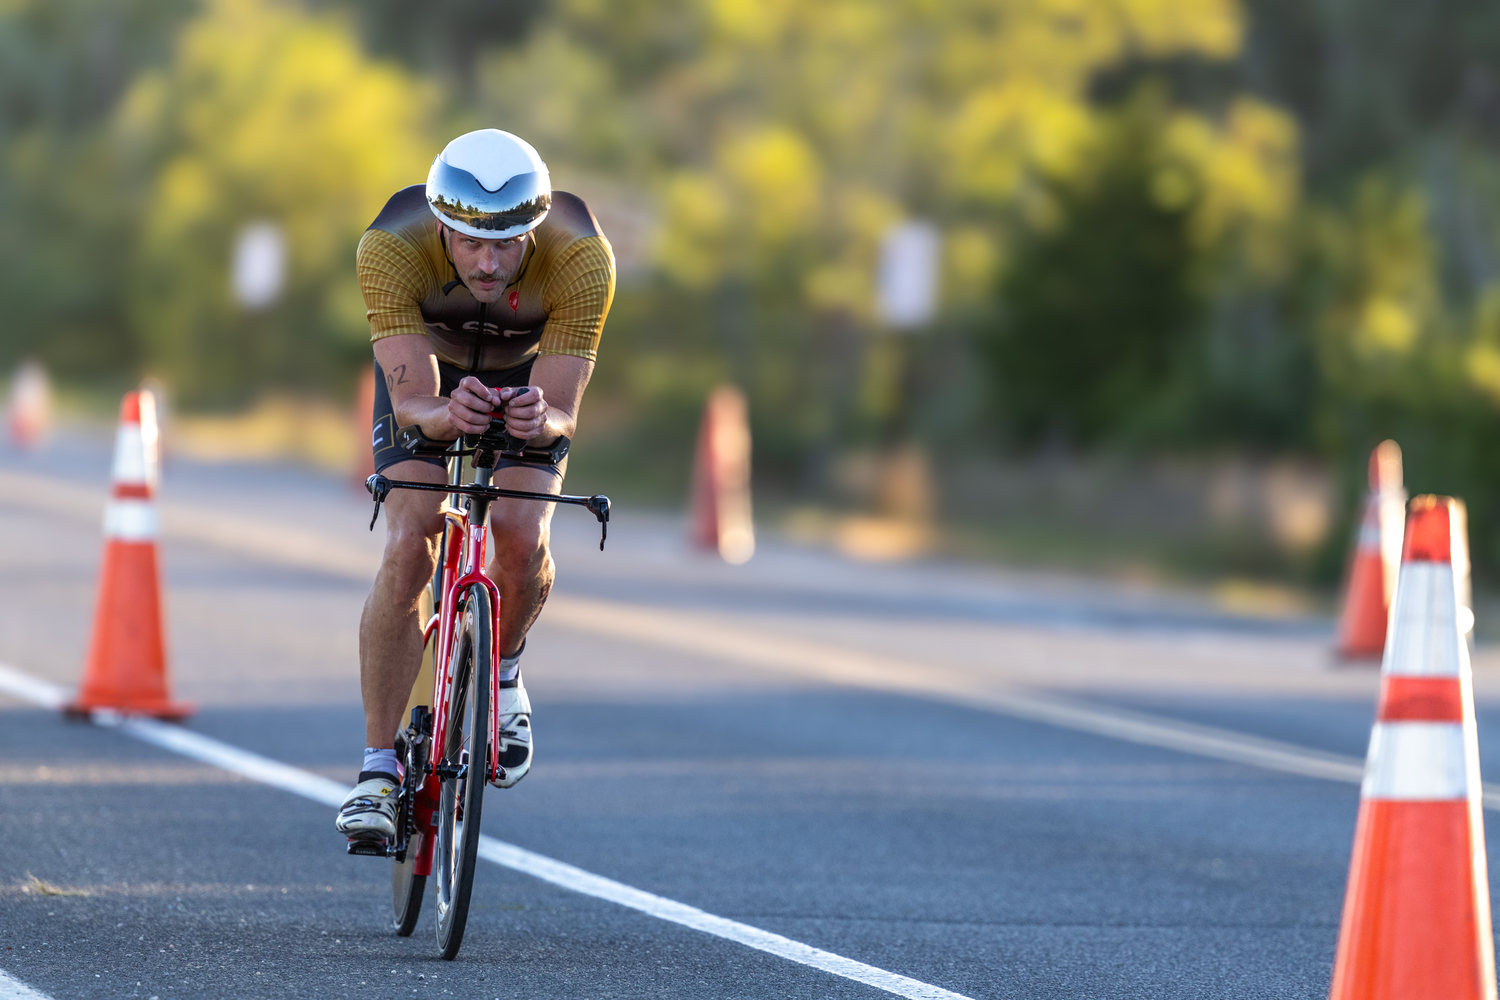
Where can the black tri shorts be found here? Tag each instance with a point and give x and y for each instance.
(383, 428)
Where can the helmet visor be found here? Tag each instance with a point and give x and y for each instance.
(457, 196)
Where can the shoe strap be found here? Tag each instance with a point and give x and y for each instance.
(513, 701)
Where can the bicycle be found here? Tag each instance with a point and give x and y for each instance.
(437, 794)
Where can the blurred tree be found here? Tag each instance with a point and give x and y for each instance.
(63, 66)
(266, 113)
(781, 140)
(1102, 297)
(441, 37)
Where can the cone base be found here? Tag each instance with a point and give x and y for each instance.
(167, 711)
(1416, 912)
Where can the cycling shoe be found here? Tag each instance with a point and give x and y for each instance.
(369, 811)
(514, 709)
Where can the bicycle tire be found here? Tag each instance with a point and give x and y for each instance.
(467, 740)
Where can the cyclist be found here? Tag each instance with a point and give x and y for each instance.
(484, 287)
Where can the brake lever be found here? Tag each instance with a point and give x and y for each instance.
(599, 505)
(380, 488)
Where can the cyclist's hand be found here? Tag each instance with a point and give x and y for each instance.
(525, 411)
(471, 404)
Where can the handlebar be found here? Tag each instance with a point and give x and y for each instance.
(598, 504)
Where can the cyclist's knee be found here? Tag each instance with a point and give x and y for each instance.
(411, 553)
(521, 551)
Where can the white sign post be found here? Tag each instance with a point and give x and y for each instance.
(907, 286)
(259, 267)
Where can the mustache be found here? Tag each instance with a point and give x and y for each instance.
(488, 276)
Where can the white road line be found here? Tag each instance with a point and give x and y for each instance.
(331, 793)
(565, 875)
(1115, 723)
(12, 988)
(32, 689)
(1136, 727)
(807, 659)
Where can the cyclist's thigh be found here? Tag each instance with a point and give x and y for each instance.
(526, 521)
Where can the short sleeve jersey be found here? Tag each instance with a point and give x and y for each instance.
(556, 304)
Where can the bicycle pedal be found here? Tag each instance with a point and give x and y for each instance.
(369, 848)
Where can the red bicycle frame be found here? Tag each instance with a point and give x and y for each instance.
(465, 547)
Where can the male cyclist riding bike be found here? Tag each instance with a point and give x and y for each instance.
(485, 288)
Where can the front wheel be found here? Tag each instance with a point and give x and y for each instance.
(466, 746)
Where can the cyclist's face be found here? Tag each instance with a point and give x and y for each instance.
(486, 266)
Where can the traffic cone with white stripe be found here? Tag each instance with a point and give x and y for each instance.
(127, 664)
(1376, 559)
(1417, 910)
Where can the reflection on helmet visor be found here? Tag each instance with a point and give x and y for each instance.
(459, 196)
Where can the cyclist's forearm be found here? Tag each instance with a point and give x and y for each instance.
(428, 412)
(559, 423)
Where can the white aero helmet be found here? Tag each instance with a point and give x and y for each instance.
(489, 184)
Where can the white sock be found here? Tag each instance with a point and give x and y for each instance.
(382, 762)
(510, 666)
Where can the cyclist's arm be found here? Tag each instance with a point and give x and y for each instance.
(577, 296)
(411, 378)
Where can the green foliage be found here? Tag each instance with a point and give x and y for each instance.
(1103, 294)
(65, 223)
(444, 38)
(118, 216)
(264, 113)
(780, 141)
(1175, 224)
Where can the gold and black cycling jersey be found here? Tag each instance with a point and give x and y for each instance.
(556, 304)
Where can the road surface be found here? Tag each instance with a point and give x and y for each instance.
(989, 783)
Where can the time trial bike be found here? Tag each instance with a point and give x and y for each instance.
(451, 746)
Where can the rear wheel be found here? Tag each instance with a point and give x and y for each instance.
(407, 887)
(466, 744)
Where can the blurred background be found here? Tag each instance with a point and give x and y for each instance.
(1122, 285)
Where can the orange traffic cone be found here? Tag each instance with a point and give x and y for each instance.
(127, 668)
(364, 407)
(1376, 559)
(1417, 911)
(720, 502)
(29, 412)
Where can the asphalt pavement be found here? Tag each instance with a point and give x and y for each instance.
(809, 745)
